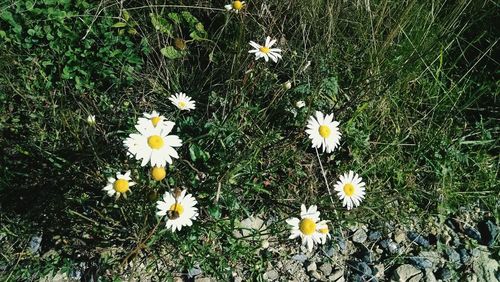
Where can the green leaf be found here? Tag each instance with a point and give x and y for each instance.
(190, 19)
(174, 17)
(119, 24)
(126, 16)
(161, 24)
(171, 53)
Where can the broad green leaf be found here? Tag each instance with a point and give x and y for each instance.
(171, 53)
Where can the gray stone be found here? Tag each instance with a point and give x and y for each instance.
(453, 224)
(379, 270)
(420, 262)
(389, 245)
(489, 232)
(361, 268)
(35, 242)
(464, 255)
(194, 271)
(315, 274)
(311, 267)
(399, 236)
(444, 274)
(484, 267)
(337, 276)
(359, 236)
(452, 255)
(407, 273)
(248, 226)
(326, 268)
(374, 235)
(300, 258)
(471, 277)
(203, 279)
(342, 245)
(473, 233)
(429, 276)
(418, 239)
(271, 275)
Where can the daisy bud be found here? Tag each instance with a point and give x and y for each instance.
(91, 120)
(300, 104)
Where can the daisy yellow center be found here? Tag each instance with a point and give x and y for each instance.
(349, 189)
(324, 131)
(182, 104)
(264, 49)
(158, 173)
(237, 5)
(155, 121)
(324, 230)
(177, 208)
(155, 142)
(120, 185)
(307, 226)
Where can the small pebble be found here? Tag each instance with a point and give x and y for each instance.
(359, 236)
(399, 236)
(464, 255)
(272, 275)
(443, 274)
(472, 233)
(300, 258)
(361, 267)
(389, 245)
(421, 262)
(374, 235)
(452, 255)
(311, 267)
(326, 269)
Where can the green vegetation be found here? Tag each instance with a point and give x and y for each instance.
(413, 83)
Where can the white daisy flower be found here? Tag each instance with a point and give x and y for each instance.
(182, 101)
(153, 144)
(306, 227)
(235, 6)
(265, 51)
(322, 227)
(350, 189)
(119, 185)
(91, 120)
(179, 209)
(154, 119)
(323, 132)
(158, 173)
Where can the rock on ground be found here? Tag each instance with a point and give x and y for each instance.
(407, 273)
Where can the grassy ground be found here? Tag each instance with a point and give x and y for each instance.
(413, 83)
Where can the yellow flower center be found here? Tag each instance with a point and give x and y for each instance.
(324, 131)
(155, 121)
(324, 230)
(120, 185)
(155, 142)
(264, 49)
(158, 173)
(182, 104)
(237, 5)
(307, 226)
(177, 208)
(349, 189)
